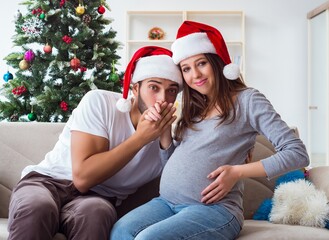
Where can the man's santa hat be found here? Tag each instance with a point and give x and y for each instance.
(195, 38)
(148, 62)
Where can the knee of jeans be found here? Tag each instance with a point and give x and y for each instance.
(120, 230)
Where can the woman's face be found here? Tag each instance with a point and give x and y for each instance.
(198, 74)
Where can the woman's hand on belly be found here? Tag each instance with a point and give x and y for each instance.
(224, 178)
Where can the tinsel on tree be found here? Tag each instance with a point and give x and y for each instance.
(66, 48)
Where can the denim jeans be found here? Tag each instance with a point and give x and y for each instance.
(159, 219)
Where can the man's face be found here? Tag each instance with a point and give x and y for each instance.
(152, 90)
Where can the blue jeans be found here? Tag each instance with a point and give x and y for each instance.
(159, 219)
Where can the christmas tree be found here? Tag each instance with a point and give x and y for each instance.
(65, 49)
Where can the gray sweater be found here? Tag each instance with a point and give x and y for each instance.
(210, 146)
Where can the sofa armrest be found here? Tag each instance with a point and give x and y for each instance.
(319, 176)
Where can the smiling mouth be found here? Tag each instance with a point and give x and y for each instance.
(201, 82)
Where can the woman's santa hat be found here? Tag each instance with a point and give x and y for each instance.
(148, 62)
(195, 38)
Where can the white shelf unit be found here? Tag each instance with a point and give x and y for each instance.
(318, 85)
(230, 23)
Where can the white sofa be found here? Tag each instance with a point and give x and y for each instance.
(22, 144)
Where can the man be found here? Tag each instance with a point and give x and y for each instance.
(101, 157)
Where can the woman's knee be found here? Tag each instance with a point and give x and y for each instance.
(122, 230)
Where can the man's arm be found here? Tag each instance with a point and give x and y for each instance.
(93, 163)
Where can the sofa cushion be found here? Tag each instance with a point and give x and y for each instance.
(22, 144)
(255, 230)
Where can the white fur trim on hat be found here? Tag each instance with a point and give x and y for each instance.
(231, 71)
(161, 66)
(123, 105)
(190, 45)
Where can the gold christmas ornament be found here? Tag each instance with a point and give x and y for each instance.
(23, 65)
(80, 10)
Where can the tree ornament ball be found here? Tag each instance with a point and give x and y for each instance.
(14, 118)
(86, 18)
(75, 63)
(101, 9)
(114, 77)
(23, 65)
(80, 9)
(29, 55)
(47, 49)
(32, 116)
(7, 76)
(42, 16)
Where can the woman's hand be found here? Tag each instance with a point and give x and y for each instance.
(225, 177)
(149, 129)
(155, 114)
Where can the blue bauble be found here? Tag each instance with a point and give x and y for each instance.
(8, 76)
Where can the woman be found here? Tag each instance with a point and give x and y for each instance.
(221, 117)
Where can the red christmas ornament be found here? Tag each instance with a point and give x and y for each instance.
(37, 11)
(47, 48)
(19, 90)
(101, 9)
(62, 3)
(83, 69)
(75, 63)
(64, 106)
(67, 39)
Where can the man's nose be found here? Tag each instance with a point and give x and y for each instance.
(161, 96)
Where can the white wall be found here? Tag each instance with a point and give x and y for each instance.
(276, 44)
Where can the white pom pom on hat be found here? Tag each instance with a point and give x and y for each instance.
(148, 62)
(195, 38)
(123, 105)
(231, 71)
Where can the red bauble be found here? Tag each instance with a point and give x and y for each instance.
(64, 106)
(47, 49)
(101, 9)
(75, 64)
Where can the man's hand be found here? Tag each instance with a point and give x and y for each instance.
(155, 121)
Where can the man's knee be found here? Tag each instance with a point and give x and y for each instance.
(36, 208)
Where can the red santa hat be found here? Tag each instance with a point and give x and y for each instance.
(148, 62)
(195, 38)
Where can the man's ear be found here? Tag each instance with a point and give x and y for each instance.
(135, 89)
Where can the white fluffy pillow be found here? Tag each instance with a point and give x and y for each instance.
(299, 203)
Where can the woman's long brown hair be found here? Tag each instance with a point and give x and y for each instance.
(195, 105)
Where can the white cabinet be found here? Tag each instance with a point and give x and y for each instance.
(230, 23)
(318, 79)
